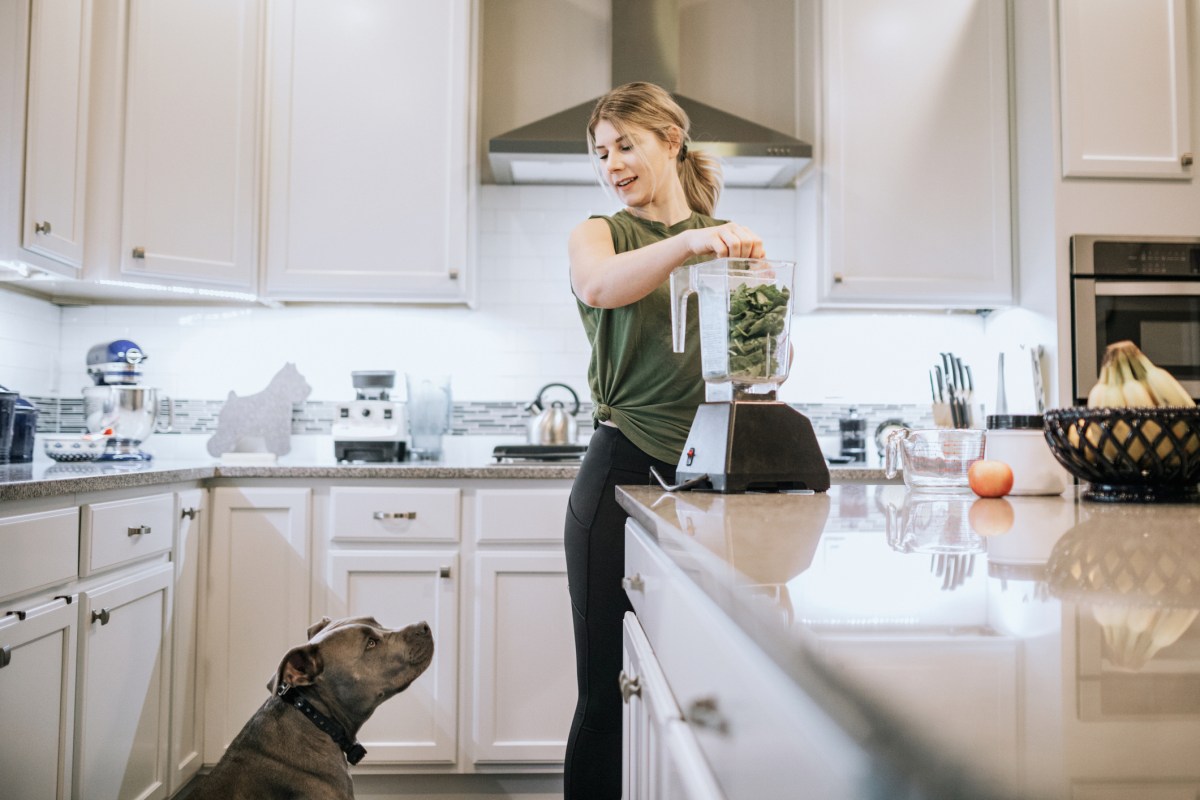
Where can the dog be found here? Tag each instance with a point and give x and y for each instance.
(263, 420)
(301, 742)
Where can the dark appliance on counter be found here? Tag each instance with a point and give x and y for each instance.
(371, 428)
(1142, 288)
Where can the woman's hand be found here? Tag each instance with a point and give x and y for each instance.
(725, 241)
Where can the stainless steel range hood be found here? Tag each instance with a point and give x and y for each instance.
(645, 35)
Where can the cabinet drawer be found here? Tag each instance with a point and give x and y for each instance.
(376, 513)
(122, 531)
(521, 515)
(38, 551)
(646, 579)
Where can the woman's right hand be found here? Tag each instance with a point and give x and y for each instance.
(725, 241)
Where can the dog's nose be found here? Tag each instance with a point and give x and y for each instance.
(422, 629)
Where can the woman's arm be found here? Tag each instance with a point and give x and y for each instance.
(602, 278)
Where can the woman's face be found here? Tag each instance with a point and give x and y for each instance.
(637, 165)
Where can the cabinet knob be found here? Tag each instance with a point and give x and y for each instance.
(703, 713)
(838, 277)
(1185, 160)
(633, 583)
(101, 615)
(41, 227)
(444, 572)
(189, 513)
(139, 252)
(387, 515)
(630, 687)
(5, 656)
(138, 530)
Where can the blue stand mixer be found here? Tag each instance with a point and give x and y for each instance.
(116, 405)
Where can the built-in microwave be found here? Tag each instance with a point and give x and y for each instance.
(1142, 288)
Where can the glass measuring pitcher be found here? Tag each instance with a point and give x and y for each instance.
(745, 307)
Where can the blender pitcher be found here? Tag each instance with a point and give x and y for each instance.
(741, 437)
(745, 307)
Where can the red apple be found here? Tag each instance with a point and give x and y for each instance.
(990, 478)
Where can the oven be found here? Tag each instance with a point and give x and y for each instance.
(1145, 289)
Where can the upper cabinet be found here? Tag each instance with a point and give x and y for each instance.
(56, 130)
(917, 179)
(1124, 117)
(191, 134)
(369, 160)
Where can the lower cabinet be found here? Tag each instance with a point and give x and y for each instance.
(186, 743)
(37, 701)
(124, 687)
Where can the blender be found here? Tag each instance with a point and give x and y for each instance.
(742, 438)
(117, 407)
(370, 428)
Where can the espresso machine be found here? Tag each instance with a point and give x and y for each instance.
(742, 438)
(371, 427)
(116, 406)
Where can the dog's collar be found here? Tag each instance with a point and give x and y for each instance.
(353, 750)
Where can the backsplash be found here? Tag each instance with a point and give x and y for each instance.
(523, 332)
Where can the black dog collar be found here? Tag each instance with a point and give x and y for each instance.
(353, 750)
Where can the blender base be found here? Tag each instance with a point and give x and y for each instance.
(749, 445)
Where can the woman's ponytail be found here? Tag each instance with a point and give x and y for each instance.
(702, 179)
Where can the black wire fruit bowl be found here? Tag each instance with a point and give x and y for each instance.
(1129, 454)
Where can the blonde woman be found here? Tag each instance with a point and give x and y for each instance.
(645, 396)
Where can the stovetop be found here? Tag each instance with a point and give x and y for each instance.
(557, 453)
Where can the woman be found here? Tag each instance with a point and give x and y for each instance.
(645, 395)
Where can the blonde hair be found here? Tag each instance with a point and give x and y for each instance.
(650, 107)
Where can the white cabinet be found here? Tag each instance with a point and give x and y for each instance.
(916, 140)
(56, 129)
(257, 605)
(1123, 72)
(186, 743)
(398, 588)
(369, 150)
(524, 665)
(37, 701)
(123, 690)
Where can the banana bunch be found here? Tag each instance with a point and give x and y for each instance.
(1128, 379)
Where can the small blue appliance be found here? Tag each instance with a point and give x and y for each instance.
(116, 363)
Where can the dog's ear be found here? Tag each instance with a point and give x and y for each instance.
(300, 667)
(317, 627)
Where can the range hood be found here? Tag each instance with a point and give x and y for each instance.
(645, 35)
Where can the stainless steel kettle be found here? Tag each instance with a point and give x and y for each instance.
(553, 424)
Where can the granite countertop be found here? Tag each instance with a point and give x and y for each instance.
(993, 638)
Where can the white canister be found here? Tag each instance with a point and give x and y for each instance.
(1018, 440)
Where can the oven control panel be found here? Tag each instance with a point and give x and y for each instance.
(1130, 257)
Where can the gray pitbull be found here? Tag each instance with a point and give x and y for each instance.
(300, 743)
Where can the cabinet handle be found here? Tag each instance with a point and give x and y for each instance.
(139, 252)
(838, 277)
(630, 687)
(42, 227)
(101, 615)
(138, 530)
(1185, 160)
(633, 583)
(387, 515)
(444, 572)
(189, 513)
(5, 656)
(703, 713)
(453, 274)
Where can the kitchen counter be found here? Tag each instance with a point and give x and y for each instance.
(46, 478)
(981, 648)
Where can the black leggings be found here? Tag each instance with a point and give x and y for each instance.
(595, 545)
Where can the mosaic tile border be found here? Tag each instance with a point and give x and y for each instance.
(508, 418)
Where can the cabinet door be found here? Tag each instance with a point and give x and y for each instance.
(186, 744)
(649, 709)
(191, 135)
(686, 775)
(124, 688)
(1123, 71)
(524, 658)
(37, 702)
(917, 155)
(368, 150)
(257, 604)
(56, 129)
(399, 588)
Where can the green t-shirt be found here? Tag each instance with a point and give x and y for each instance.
(636, 380)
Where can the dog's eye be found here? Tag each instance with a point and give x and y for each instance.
(371, 643)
